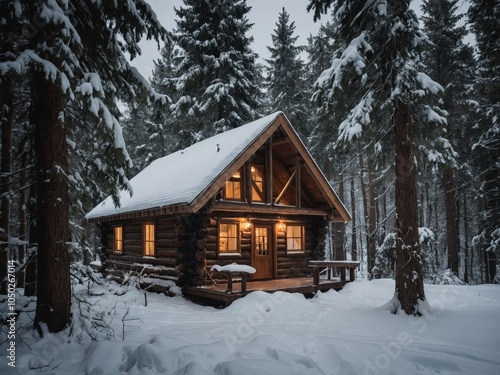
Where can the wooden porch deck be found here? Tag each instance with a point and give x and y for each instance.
(218, 295)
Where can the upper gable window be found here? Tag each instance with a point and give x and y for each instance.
(232, 190)
(257, 183)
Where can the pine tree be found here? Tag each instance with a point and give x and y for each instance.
(216, 72)
(484, 16)
(74, 53)
(448, 60)
(286, 75)
(392, 94)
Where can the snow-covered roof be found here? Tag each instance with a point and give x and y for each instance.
(180, 177)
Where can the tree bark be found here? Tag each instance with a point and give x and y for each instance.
(467, 261)
(340, 227)
(369, 264)
(409, 278)
(51, 155)
(451, 222)
(372, 218)
(354, 245)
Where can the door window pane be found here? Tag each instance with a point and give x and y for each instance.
(261, 241)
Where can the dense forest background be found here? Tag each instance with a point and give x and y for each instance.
(208, 80)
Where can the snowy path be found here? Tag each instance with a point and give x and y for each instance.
(347, 332)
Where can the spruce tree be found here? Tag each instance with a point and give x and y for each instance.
(286, 75)
(74, 52)
(216, 71)
(448, 60)
(382, 61)
(484, 16)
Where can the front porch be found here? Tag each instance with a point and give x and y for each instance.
(218, 294)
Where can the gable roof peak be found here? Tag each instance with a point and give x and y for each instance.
(180, 177)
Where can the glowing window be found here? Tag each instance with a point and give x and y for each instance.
(118, 239)
(149, 239)
(257, 184)
(294, 238)
(233, 187)
(228, 238)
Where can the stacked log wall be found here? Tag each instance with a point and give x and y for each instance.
(295, 264)
(213, 258)
(187, 248)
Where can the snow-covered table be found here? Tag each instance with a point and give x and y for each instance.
(233, 269)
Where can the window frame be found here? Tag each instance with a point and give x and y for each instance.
(260, 171)
(237, 251)
(146, 241)
(302, 249)
(234, 180)
(117, 249)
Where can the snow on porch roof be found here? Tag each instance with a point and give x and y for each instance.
(180, 177)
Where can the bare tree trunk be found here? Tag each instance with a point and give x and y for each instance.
(369, 263)
(354, 244)
(467, 261)
(340, 227)
(53, 280)
(409, 277)
(372, 218)
(6, 118)
(451, 221)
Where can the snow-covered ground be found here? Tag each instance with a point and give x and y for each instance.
(346, 332)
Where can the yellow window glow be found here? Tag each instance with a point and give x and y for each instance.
(118, 239)
(149, 240)
(294, 238)
(228, 238)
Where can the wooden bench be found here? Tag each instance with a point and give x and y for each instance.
(317, 265)
(232, 270)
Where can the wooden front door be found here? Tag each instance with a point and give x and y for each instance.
(263, 252)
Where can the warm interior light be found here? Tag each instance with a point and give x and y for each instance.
(281, 226)
(247, 225)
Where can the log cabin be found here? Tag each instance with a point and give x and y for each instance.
(251, 195)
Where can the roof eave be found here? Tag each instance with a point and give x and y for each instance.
(182, 208)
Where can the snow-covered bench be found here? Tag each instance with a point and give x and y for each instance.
(232, 270)
(342, 264)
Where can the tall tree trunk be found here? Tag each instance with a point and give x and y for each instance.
(409, 277)
(467, 261)
(369, 264)
(6, 118)
(51, 154)
(372, 218)
(340, 227)
(490, 218)
(451, 221)
(354, 240)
